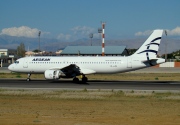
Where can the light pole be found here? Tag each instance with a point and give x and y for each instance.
(39, 40)
(100, 32)
(91, 36)
(166, 47)
(103, 38)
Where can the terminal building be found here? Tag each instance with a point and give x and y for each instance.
(94, 51)
(6, 57)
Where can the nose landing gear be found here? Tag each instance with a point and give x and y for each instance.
(28, 79)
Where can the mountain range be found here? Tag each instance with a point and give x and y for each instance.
(46, 44)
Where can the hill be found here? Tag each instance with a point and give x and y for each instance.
(11, 42)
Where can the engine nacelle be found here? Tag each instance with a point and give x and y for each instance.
(52, 74)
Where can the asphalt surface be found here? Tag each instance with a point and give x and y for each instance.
(92, 84)
(96, 84)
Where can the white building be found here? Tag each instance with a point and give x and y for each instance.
(5, 58)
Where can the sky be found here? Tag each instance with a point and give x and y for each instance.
(70, 20)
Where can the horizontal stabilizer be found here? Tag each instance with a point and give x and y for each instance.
(154, 62)
(144, 61)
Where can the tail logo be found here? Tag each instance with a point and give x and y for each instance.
(149, 50)
(151, 43)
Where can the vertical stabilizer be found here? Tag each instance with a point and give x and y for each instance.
(150, 47)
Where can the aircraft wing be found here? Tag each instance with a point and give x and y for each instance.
(73, 70)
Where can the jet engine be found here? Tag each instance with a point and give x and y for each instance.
(52, 74)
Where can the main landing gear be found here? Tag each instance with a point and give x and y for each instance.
(75, 80)
(28, 79)
(84, 79)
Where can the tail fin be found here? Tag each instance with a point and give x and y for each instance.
(150, 47)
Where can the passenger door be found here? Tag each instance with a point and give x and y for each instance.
(25, 63)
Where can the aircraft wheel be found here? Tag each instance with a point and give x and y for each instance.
(28, 79)
(84, 79)
(75, 80)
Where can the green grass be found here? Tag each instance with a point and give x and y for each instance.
(18, 76)
(118, 76)
(85, 94)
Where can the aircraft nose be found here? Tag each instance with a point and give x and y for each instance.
(11, 67)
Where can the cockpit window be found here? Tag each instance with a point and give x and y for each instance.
(16, 62)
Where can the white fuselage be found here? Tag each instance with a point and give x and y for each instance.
(93, 64)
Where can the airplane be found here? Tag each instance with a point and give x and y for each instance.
(57, 67)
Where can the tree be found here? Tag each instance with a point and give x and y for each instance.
(21, 50)
(131, 51)
(37, 50)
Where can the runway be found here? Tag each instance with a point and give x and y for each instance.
(92, 84)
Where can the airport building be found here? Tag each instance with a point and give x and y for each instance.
(6, 57)
(94, 51)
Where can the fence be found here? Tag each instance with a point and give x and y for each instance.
(169, 64)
